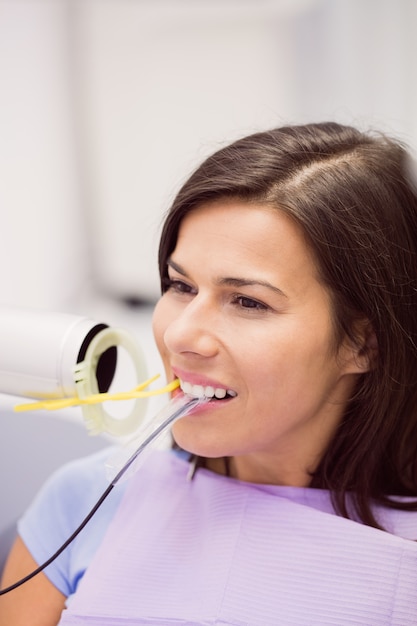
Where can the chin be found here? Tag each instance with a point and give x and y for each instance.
(197, 443)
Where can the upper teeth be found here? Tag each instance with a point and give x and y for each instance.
(199, 391)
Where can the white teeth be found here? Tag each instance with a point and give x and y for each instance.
(198, 391)
(209, 392)
(186, 387)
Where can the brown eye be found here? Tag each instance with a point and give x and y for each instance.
(249, 303)
(178, 286)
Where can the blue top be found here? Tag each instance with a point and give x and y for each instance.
(59, 508)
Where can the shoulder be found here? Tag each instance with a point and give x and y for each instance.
(398, 522)
(90, 468)
(74, 487)
(59, 508)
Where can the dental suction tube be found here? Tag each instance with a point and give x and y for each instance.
(47, 355)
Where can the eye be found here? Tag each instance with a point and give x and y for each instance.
(244, 302)
(177, 286)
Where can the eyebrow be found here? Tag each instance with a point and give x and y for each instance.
(233, 282)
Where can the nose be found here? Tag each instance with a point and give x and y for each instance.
(192, 330)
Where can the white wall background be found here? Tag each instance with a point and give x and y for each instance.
(106, 105)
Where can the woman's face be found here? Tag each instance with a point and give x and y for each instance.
(245, 315)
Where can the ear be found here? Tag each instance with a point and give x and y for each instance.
(361, 352)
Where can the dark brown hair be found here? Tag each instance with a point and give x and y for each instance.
(353, 197)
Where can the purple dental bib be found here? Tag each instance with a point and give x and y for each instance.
(215, 551)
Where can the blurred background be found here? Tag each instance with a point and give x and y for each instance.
(107, 105)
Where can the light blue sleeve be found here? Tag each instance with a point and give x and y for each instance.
(59, 508)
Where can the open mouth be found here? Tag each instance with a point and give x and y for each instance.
(212, 393)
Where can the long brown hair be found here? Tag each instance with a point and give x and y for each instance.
(353, 197)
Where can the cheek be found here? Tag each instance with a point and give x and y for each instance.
(159, 325)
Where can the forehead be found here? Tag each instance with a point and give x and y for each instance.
(248, 223)
(235, 236)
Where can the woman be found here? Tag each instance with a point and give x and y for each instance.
(288, 268)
